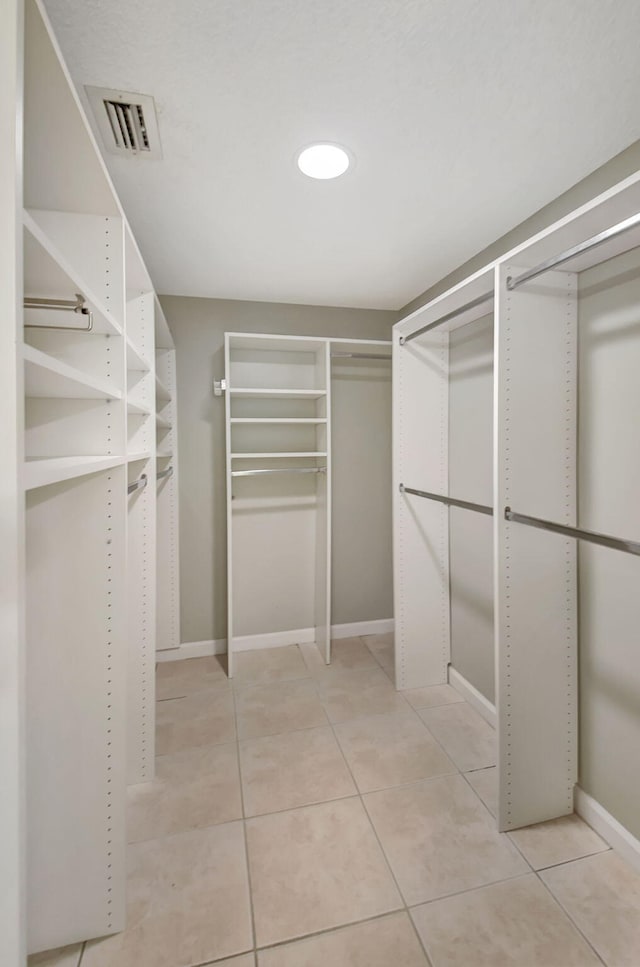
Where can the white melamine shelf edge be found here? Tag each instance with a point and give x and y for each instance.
(44, 471)
(75, 278)
(278, 456)
(162, 392)
(282, 394)
(135, 409)
(136, 457)
(135, 360)
(296, 420)
(48, 377)
(164, 454)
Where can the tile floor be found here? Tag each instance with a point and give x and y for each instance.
(305, 816)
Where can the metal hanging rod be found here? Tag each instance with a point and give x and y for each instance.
(359, 356)
(450, 315)
(450, 501)
(138, 484)
(60, 305)
(617, 543)
(253, 473)
(571, 253)
(164, 473)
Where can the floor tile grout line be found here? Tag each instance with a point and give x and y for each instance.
(244, 828)
(569, 916)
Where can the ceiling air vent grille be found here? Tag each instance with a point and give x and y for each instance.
(127, 122)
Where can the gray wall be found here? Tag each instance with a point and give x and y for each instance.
(624, 164)
(198, 327)
(471, 478)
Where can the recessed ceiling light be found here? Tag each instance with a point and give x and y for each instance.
(323, 161)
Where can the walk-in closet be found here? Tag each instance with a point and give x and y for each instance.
(319, 518)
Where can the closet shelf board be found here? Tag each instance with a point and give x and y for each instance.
(164, 454)
(279, 394)
(137, 456)
(136, 409)
(162, 424)
(48, 377)
(266, 456)
(135, 360)
(162, 393)
(76, 282)
(43, 471)
(268, 421)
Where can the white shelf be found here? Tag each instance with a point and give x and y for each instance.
(43, 471)
(48, 377)
(135, 359)
(164, 454)
(41, 271)
(279, 394)
(162, 393)
(162, 424)
(135, 409)
(140, 455)
(268, 420)
(265, 456)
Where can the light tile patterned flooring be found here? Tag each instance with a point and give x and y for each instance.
(307, 816)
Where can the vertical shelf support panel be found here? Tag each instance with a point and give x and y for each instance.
(323, 521)
(421, 527)
(536, 572)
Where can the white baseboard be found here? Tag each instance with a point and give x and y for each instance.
(279, 639)
(475, 698)
(194, 649)
(612, 832)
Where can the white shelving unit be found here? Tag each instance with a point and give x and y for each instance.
(534, 451)
(101, 528)
(279, 485)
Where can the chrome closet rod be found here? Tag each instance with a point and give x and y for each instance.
(138, 484)
(164, 473)
(359, 356)
(253, 473)
(571, 253)
(450, 501)
(450, 315)
(60, 305)
(617, 543)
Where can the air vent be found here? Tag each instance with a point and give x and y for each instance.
(127, 122)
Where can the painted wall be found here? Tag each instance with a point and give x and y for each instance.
(608, 489)
(471, 478)
(362, 580)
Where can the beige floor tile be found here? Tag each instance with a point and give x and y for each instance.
(512, 924)
(349, 654)
(293, 769)
(432, 696)
(60, 957)
(464, 735)
(188, 902)
(285, 707)
(387, 941)
(269, 665)
(387, 750)
(206, 718)
(485, 783)
(195, 788)
(440, 839)
(602, 895)
(175, 679)
(557, 841)
(382, 648)
(353, 694)
(246, 960)
(316, 868)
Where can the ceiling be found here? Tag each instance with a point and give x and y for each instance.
(464, 116)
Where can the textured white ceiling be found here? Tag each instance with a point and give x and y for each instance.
(465, 117)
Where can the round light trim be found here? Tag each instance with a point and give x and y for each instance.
(323, 161)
